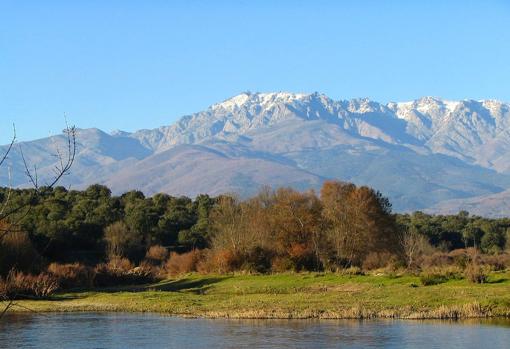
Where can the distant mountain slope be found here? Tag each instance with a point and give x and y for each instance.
(419, 153)
(492, 205)
(194, 169)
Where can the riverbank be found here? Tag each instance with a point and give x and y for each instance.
(296, 296)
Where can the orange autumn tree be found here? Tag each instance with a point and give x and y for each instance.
(295, 220)
(358, 222)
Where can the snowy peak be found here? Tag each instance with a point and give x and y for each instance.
(428, 106)
(457, 128)
(263, 100)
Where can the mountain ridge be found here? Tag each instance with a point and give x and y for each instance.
(448, 150)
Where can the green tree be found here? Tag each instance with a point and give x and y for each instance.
(472, 235)
(493, 239)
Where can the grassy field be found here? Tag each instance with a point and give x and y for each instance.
(307, 295)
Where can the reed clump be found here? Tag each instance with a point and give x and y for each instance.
(19, 285)
(72, 275)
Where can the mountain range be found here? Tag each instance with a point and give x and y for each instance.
(429, 154)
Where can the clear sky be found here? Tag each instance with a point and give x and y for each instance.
(142, 64)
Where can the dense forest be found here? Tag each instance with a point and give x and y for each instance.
(343, 226)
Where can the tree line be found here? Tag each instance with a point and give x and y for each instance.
(343, 225)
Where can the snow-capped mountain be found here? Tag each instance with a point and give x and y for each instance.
(419, 153)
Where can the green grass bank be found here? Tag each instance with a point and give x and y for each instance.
(301, 295)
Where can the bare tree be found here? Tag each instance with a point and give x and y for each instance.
(413, 245)
(229, 222)
(14, 214)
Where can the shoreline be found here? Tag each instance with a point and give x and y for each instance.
(292, 296)
(464, 312)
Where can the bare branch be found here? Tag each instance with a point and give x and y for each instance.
(9, 304)
(32, 177)
(65, 162)
(9, 148)
(9, 191)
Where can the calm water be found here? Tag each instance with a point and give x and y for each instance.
(119, 330)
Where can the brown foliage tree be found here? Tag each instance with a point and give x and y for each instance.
(358, 221)
(295, 221)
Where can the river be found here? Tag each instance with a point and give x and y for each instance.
(128, 330)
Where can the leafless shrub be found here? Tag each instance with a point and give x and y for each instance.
(183, 263)
(156, 254)
(19, 285)
(72, 275)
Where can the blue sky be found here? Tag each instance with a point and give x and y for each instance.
(141, 64)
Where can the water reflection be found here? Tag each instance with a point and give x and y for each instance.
(120, 330)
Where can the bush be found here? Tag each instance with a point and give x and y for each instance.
(120, 271)
(225, 261)
(17, 252)
(476, 273)
(302, 256)
(437, 259)
(257, 260)
(496, 262)
(18, 285)
(183, 263)
(437, 275)
(119, 264)
(299, 257)
(378, 260)
(428, 279)
(72, 275)
(460, 257)
(352, 271)
(144, 273)
(282, 264)
(156, 255)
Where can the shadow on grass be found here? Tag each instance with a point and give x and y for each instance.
(186, 285)
(57, 297)
(60, 297)
(197, 286)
